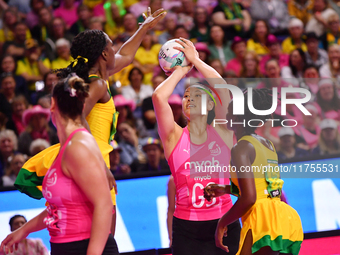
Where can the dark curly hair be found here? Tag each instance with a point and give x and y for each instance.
(88, 44)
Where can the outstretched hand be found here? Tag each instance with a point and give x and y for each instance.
(151, 20)
(10, 243)
(214, 190)
(188, 48)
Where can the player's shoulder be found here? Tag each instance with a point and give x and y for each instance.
(80, 143)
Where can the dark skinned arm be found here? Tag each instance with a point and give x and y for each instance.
(127, 52)
(242, 155)
(98, 90)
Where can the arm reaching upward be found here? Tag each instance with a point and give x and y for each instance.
(127, 52)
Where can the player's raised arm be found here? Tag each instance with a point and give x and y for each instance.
(210, 74)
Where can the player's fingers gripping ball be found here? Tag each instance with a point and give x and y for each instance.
(169, 57)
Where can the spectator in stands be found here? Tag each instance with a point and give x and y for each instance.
(15, 164)
(138, 7)
(307, 133)
(181, 31)
(57, 30)
(3, 121)
(301, 9)
(185, 15)
(332, 36)
(170, 23)
(311, 78)
(155, 162)
(293, 115)
(233, 17)
(332, 68)
(33, 67)
(217, 65)
(148, 113)
(38, 145)
(64, 55)
(10, 19)
(39, 32)
(137, 91)
(125, 108)
(153, 4)
(28, 245)
(8, 146)
(218, 45)
(8, 65)
(294, 72)
(273, 72)
(315, 55)
(146, 58)
(131, 145)
(258, 41)
(318, 20)
(288, 148)
(24, 6)
(7, 94)
(273, 12)
(130, 24)
(250, 71)
(50, 79)
(15, 123)
(239, 47)
(36, 121)
(16, 47)
(84, 15)
(328, 100)
(68, 12)
(32, 17)
(201, 30)
(275, 52)
(294, 41)
(329, 140)
(115, 166)
(96, 24)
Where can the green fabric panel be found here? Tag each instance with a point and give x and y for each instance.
(27, 183)
(278, 244)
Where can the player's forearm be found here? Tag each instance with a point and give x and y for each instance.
(206, 70)
(35, 224)
(101, 224)
(237, 211)
(130, 47)
(165, 89)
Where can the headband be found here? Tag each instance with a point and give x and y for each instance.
(205, 90)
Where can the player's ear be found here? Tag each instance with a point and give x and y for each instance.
(104, 54)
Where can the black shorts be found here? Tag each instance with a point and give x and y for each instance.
(198, 237)
(80, 247)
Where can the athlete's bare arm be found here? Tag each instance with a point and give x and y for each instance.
(242, 155)
(127, 52)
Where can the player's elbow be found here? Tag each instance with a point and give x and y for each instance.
(248, 200)
(157, 97)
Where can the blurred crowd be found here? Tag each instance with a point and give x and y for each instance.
(251, 43)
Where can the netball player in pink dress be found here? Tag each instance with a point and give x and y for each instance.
(79, 212)
(199, 143)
